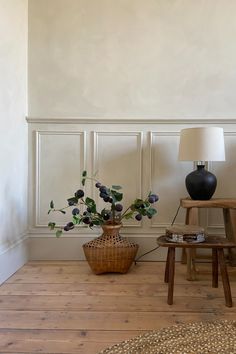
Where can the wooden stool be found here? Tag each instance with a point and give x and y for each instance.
(217, 244)
(228, 205)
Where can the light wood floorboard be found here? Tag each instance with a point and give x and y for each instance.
(61, 307)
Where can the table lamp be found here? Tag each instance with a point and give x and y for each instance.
(200, 145)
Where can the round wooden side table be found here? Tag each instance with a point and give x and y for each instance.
(217, 244)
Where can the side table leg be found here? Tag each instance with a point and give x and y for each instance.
(230, 230)
(171, 275)
(166, 279)
(194, 255)
(214, 268)
(192, 216)
(191, 271)
(225, 277)
(184, 256)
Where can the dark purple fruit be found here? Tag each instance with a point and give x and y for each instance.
(151, 199)
(75, 211)
(106, 198)
(138, 217)
(69, 226)
(98, 185)
(106, 216)
(118, 207)
(103, 195)
(155, 196)
(79, 193)
(71, 203)
(86, 220)
(103, 189)
(89, 209)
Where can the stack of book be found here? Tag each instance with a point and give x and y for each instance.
(185, 234)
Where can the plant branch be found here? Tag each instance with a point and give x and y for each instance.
(123, 214)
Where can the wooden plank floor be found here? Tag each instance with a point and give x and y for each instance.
(61, 307)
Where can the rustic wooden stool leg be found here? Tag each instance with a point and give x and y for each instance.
(192, 216)
(166, 279)
(225, 278)
(214, 268)
(230, 231)
(184, 256)
(193, 255)
(191, 272)
(171, 275)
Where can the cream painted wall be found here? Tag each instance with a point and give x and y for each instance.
(160, 66)
(132, 58)
(13, 134)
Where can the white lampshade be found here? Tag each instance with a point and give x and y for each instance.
(202, 144)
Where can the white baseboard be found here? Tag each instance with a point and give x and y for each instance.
(70, 248)
(13, 258)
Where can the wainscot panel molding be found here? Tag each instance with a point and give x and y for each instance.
(138, 154)
(114, 154)
(56, 153)
(95, 120)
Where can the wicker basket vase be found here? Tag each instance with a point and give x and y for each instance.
(110, 252)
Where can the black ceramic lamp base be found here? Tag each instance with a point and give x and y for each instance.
(201, 184)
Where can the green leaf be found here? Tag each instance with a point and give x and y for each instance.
(91, 204)
(58, 233)
(117, 196)
(49, 211)
(73, 200)
(137, 203)
(83, 181)
(89, 201)
(129, 215)
(142, 211)
(62, 211)
(151, 212)
(51, 204)
(84, 173)
(138, 200)
(116, 187)
(51, 225)
(76, 219)
(93, 209)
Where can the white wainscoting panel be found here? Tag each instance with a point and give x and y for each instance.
(117, 157)
(60, 158)
(140, 155)
(226, 186)
(167, 175)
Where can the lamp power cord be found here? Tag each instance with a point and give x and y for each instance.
(154, 249)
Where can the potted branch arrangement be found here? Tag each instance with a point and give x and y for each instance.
(109, 252)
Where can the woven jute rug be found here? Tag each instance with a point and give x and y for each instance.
(218, 337)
